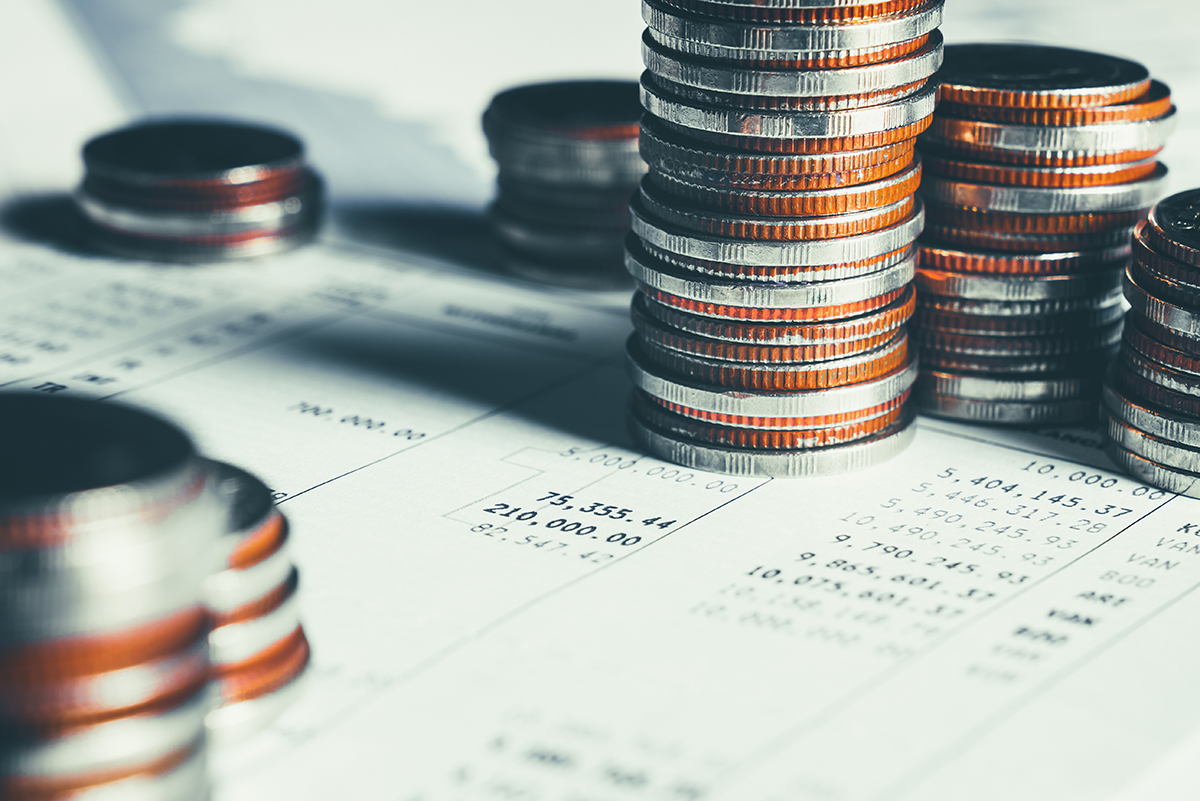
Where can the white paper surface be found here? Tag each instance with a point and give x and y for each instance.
(507, 602)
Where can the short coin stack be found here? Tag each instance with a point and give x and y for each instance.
(259, 651)
(107, 531)
(773, 237)
(1039, 162)
(197, 191)
(1152, 390)
(568, 162)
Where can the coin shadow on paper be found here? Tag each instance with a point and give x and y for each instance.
(580, 396)
(458, 235)
(49, 219)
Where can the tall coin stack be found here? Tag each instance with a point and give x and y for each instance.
(1152, 390)
(107, 531)
(1039, 162)
(196, 191)
(259, 651)
(773, 237)
(568, 162)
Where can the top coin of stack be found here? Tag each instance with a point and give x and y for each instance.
(108, 528)
(197, 191)
(568, 162)
(1039, 162)
(773, 236)
(1152, 391)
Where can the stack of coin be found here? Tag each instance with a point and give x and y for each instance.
(107, 532)
(568, 162)
(1152, 390)
(197, 191)
(259, 651)
(773, 237)
(1039, 162)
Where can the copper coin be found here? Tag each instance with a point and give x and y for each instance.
(1155, 103)
(1036, 76)
(849, 417)
(272, 671)
(799, 14)
(1037, 177)
(939, 256)
(813, 314)
(964, 217)
(1032, 243)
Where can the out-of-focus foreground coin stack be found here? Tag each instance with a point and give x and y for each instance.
(1039, 162)
(568, 163)
(108, 529)
(1152, 390)
(773, 237)
(258, 648)
(197, 191)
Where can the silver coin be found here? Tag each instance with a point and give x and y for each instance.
(790, 124)
(1028, 244)
(681, 68)
(663, 235)
(1165, 453)
(237, 642)
(230, 588)
(284, 214)
(1171, 227)
(711, 197)
(232, 724)
(810, 462)
(1017, 288)
(812, 403)
(664, 207)
(770, 276)
(1184, 321)
(580, 114)
(705, 289)
(1005, 412)
(711, 165)
(1181, 482)
(653, 320)
(1061, 140)
(1171, 426)
(247, 500)
(569, 166)
(1013, 347)
(1010, 366)
(128, 742)
(1042, 389)
(1025, 308)
(774, 334)
(791, 37)
(1017, 326)
(701, 49)
(1034, 200)
(1160, 374)
(185, 782)
(540, 213)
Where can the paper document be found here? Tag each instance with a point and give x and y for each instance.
(506, 601)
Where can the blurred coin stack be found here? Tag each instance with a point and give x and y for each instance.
(1039, 162)
(197, 191)
(1152, 390)
(258, 648)
(568, 162)
(773, 237)
(107, 531)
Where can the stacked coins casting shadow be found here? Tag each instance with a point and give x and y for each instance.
(773, 237)
(107, 532)
(1039, 162)
(1152, 390)
(259, 652)
(197, 191)
(568, 162)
